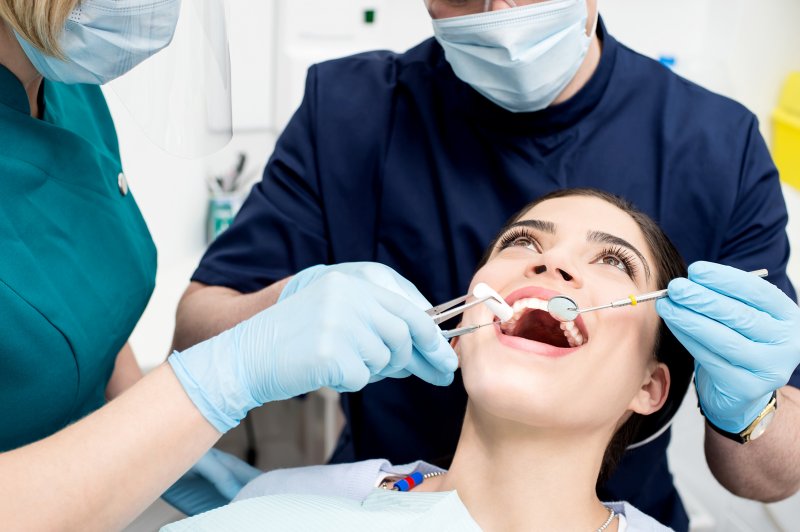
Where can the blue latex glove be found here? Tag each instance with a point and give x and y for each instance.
(379, 275)
(212, 482)
(338, 332)
(373, 272)
(744, 334)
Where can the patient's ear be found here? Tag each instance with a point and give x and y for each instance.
(653, 392)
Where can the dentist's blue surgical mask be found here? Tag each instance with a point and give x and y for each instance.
(104, 39)
(520, 58)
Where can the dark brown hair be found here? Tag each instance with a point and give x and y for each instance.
(668, 265)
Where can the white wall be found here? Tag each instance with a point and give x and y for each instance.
(740, 48)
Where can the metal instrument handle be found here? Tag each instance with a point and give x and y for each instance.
(452, 333)
(433, 311)
(650, 296)
(658, 294)
(444, 316)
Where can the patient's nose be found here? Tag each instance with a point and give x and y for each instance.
(562, 272)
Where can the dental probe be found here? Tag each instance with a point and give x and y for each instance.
(564, 308)
(452, 333)
(482, 293)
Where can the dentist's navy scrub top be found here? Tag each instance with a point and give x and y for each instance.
(391, 158)
(78, 264)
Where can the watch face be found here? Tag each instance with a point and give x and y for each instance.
(762, 426)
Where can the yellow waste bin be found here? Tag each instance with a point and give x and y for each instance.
(786, 140)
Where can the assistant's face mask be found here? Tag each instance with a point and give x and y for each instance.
(104, 39)
(520, 58)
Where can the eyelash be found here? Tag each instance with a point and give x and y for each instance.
(617, 252)
(622, 255)
(515, 234)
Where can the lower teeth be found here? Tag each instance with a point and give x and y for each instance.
(573, 335)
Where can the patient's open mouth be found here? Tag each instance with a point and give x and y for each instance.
(531, 321)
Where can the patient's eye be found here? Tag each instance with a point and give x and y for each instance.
(619, 258)
(614, 261)
(519, 237)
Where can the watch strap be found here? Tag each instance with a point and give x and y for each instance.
(744, 435)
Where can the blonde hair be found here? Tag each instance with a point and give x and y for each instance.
(40, 22)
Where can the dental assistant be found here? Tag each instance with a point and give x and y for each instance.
(414, 159)
(78, 269)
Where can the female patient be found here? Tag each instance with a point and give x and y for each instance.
(551, 406)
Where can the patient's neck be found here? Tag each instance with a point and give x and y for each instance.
(512, 477)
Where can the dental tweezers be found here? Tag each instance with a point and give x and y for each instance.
(482, 294)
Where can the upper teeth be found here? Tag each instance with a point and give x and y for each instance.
(571, 331)
(531, 302)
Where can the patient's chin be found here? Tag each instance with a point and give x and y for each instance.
(584, 392)
(511, 395)
(532, 399)
(505, 411)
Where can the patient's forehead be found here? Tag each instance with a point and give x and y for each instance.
(579, 214)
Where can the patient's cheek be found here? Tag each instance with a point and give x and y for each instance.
(454, 345)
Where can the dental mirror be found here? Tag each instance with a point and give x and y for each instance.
(562, 308)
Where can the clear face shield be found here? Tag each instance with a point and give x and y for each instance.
(181, 96)
(440, 9)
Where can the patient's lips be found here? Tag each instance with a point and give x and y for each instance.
(533, 329)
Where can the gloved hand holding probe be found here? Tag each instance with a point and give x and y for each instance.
(381, 277)
(744, 334)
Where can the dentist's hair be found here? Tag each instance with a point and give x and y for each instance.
(40, 22)
(668, 265)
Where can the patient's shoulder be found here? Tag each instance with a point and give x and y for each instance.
(635, 520)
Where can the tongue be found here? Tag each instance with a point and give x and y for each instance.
(539, 326)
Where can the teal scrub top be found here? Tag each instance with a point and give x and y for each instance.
(78, 263)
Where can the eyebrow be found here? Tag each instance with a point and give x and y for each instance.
(541, 225)
(591, 236)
